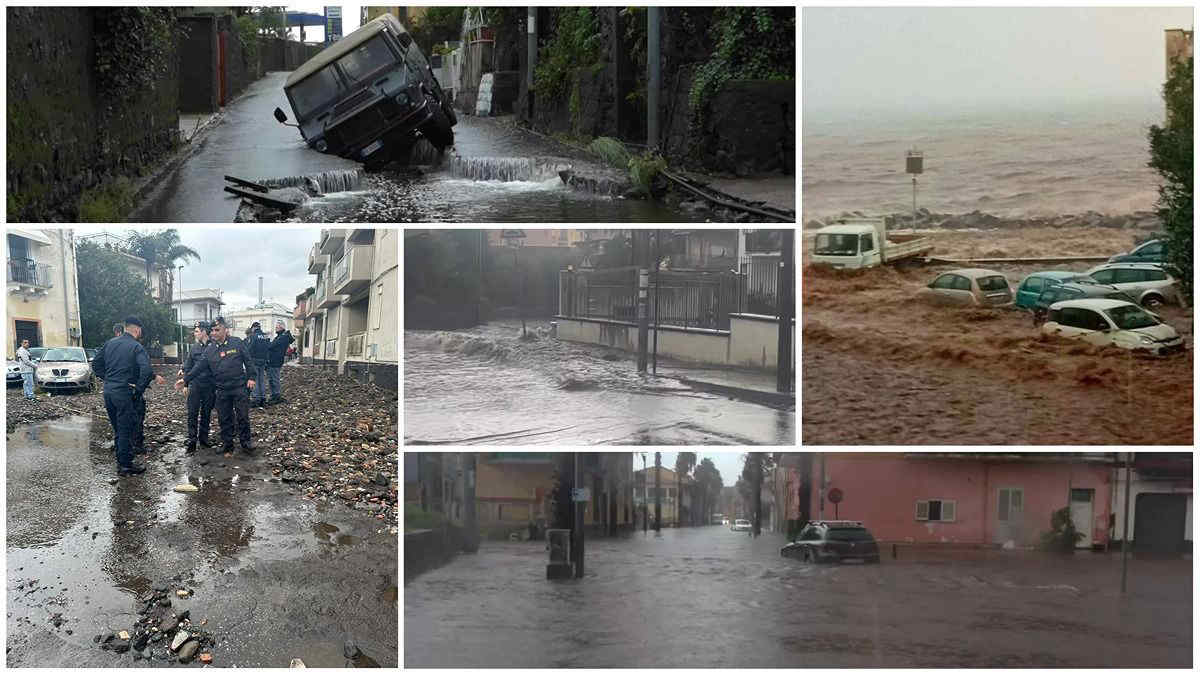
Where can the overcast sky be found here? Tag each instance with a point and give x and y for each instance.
(728, 463)
(918, 58)
(350, 15)
(232, 259)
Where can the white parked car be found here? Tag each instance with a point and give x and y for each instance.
(1148, 283)
(740, 525)
(1112, 322)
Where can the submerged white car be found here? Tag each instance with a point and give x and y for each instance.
(1112, 322)
(740, 525)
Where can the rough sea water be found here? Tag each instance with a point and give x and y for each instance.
(1036, 161)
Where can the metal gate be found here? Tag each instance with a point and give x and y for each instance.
(1160, 523)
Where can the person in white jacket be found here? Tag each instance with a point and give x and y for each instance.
(26, 361)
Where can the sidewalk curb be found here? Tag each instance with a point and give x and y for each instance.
(769, 398)
(188, 148)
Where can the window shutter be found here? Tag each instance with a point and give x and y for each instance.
(922, 510)
(948, 509)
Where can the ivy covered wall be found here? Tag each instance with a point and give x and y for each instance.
(92, 93)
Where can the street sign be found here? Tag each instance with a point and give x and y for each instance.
(581, 495)
(835, 496)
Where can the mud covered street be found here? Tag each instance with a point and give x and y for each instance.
(283, 561)
(708, 597)
(881, 367)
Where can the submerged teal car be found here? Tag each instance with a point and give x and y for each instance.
(1031, 287)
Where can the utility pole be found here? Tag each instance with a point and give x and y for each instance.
(531, 60)
(521, 301)
(658, 492)
(471, 541)
(786, 308)
(645, 497)
(653, 65)
(758, 468)
(578, 546)
(1125, 533)
(657, 272)
(643, 302)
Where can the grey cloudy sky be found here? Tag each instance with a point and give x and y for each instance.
(916, 58)
(728, 463)
(233, 258)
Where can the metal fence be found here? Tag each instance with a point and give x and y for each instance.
(687, 299)
(25, 271)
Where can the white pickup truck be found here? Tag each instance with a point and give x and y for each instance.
(853, 243)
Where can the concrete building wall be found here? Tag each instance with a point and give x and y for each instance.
(55, 310)
(750, 342)
(384, 320)
(1139, 485)
(754, 341)
(882, 490)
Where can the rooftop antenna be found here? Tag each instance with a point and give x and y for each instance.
(260, 278)
(913, 163)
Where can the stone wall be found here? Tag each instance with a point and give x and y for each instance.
(284, 55)
(428, 549)
(198, 64)
(64, 134)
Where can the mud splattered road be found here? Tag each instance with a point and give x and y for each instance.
(881, 367)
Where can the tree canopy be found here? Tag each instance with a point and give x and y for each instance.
(161, 247)
(109, 292)
(1171, 154)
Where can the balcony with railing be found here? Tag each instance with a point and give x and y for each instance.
(29, 276)
(323, 298)
(353, 272)
(332, 240)
(354, 344)
(317, 261)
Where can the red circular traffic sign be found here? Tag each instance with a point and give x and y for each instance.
(835, 495)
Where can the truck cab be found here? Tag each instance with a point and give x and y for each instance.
(369, 97)
(850, 244)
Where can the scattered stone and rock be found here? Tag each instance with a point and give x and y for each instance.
(177, 637)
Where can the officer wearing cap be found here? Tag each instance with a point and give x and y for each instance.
(200, 395)
(125, 368)
(260, 347)
(228, 363)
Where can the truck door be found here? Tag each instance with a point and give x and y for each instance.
(867, 252)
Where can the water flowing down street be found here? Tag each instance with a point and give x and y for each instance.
(707, 597)
(505, 390)
(495, 173)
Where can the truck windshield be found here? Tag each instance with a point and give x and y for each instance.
(366, 59)
(315, 92)
(1128, 317)
(836, 244)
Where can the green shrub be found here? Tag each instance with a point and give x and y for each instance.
(415, 518)
(107, 203)
(576, 44)
(610, 150)
(643, 169)
(1062, 536)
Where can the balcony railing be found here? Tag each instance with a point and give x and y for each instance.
(30, 273)
(340, 269)
(354, 344)
(331, 348)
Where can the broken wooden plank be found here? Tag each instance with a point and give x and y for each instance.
(257, 187)
(264, 199)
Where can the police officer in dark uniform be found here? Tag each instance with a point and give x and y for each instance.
(229, 365)
(200, 395)
(260, 347)
(125, 368)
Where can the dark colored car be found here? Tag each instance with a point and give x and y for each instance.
(369, 97)
(833, 541)
(1153, 251)
(1074, 291)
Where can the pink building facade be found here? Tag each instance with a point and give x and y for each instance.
(956, 498)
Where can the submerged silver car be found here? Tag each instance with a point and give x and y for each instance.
(65, 369)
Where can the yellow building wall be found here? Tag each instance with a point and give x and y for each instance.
(56, 312)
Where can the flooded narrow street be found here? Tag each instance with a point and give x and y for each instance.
(274, 577)
(505, 390)
(707, 597)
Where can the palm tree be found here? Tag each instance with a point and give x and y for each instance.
(684, 462)
(159, 248)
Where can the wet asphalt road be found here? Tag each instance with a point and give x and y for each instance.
(248, 143)
(711, 598)
(275, 576)
(503, 390)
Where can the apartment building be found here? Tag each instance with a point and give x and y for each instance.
(43, 296)
(351, 322)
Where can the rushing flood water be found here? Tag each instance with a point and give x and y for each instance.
(711, 598)
(486, 385)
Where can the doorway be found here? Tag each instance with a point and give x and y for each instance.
(1082, 501)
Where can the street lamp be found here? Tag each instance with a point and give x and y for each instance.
(179, 317)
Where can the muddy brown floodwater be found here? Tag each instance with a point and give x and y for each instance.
(881, 367)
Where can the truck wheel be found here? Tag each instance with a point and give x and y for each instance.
(1153, 300)
(437, 129)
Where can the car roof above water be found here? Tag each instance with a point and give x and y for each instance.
(1092, 303)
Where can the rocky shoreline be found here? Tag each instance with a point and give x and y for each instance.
(926, 219)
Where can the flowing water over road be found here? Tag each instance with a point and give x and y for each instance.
(276, 576)
(486, 385)
(710, 598)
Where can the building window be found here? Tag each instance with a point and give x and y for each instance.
(1010, 504)
(937, 510)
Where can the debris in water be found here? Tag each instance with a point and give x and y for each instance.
(186, 487)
